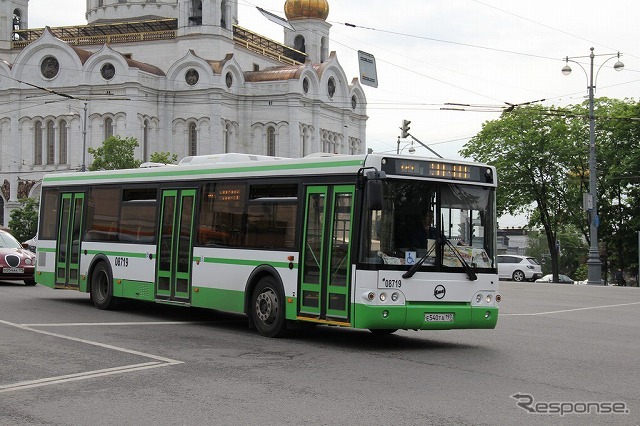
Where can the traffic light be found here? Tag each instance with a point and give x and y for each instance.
(405, 129)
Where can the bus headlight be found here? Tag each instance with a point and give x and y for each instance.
(383, 297)
(395, 297)
(371, 296)
(484, 298)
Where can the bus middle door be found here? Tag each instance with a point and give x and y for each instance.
(326, 253)
(175, 245)
(69, 240)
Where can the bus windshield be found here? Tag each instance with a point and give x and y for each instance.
(417, 219)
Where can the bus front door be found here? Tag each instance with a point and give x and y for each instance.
(326, 253)
(175, 242)
(69, 239)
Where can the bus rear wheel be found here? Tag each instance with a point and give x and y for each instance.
(102, 287)
(267, 308)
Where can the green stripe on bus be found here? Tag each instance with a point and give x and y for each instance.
(188, 171)
(243, 262)
(46, 250)
(117, 253)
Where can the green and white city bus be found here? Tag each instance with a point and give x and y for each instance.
(325, 240)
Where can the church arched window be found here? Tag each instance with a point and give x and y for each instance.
(196, 12)
(17, 17)
(299, 44)
(271, 141)
(37, 143)
(62, 142)
(17, 23)
(145, 141)
(51, 143)
(108, 128)
(223, 13)
(193, 139)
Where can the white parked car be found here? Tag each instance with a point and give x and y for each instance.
(518, 268)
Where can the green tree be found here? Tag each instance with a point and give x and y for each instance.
(618, 162)
(542, 157)
(23, 221)
(115, 153)
(163, 157)
(533, 153)
(618, 155)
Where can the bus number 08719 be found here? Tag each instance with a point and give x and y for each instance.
(121, 261)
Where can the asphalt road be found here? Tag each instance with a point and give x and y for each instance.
(559, 347)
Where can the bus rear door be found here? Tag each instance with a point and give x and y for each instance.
(69, 239)
(173, 275)
(326, 252)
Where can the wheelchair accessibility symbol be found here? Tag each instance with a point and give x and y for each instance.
(409, 257)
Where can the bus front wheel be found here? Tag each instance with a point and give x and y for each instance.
(102, 287)
(267, 308)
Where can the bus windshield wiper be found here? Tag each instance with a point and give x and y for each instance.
(467, 268)
(411, 272)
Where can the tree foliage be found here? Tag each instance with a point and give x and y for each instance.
(23, 221)
(542, 159)
(163, 157)
(115, 153)
(533, 153)
(618, 155)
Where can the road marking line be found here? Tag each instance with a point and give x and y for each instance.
(159, 362)
(569, 310)
(79, 376)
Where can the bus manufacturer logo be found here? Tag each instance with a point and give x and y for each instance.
(439, 292)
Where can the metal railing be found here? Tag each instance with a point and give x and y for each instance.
(125, 32)
(267, 47)
(153, 30)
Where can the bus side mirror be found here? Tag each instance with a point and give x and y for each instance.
(375, 190)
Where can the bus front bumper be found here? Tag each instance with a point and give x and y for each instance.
(425, 316)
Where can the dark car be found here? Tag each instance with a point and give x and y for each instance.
(16, 263)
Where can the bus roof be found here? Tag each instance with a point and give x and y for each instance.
(234, 165)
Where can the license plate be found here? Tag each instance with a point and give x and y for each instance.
(13, 270)
(438, 317)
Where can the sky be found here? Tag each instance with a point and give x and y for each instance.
(433, 54)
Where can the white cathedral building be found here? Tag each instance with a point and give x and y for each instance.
(180, 76)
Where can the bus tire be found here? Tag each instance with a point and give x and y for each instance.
(267, 308)
(102, 287)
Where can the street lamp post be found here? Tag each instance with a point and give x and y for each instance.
(594, 264)
(83, 167)
(84, 140)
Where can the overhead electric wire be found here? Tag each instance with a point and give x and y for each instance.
(547, 26)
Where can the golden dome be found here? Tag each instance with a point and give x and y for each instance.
(306, 9)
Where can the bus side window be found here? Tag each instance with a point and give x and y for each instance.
(222, 215)
(103, 214)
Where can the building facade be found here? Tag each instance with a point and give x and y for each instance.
(180, 76)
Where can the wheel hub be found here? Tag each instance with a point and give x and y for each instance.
(266, 306)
